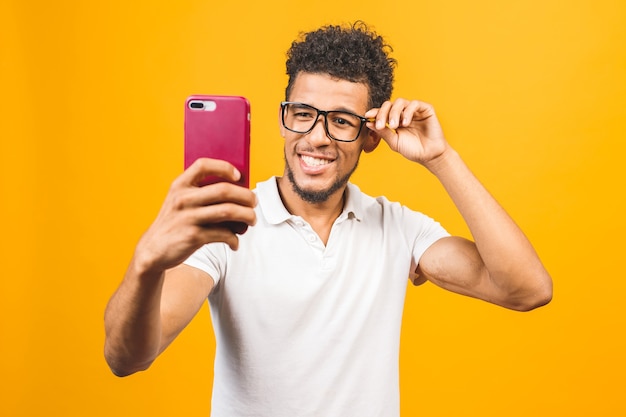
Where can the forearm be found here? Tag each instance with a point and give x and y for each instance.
(148, 311)
(508, 256)
(133, 322)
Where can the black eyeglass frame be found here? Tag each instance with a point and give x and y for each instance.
(283, 106)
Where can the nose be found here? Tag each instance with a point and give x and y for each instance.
(318, 136)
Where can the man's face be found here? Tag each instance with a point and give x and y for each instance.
(316, 165)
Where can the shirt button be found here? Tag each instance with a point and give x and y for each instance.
(311, 238)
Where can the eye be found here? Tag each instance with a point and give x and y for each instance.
(343, 120)
(302, 112)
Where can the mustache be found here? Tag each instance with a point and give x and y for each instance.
(305, 148)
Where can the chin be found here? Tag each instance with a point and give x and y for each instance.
(316, 195)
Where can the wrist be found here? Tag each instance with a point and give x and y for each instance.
(145, 267)
(443, 162)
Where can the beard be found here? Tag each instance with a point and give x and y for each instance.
(319, 196)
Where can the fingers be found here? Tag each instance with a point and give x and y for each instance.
(213, 203)
(221, 222)
(399, 113)
(409, 127)
(191, 196)
(219, 214)
(224, 233)
(216, 205)
(204, 167)
(195, 214)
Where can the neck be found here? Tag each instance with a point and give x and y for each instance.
(320, 215)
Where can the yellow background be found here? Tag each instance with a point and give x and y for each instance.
(532, 93)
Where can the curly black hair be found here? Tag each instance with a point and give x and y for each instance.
(354, 53)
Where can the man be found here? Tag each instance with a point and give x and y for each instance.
(307, 303)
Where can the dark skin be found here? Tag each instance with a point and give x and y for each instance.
(159, 295)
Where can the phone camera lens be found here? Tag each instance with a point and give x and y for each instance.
(196, 105)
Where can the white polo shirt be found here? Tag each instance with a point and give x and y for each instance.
(304, 329)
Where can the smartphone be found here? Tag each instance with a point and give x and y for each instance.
(218, 127)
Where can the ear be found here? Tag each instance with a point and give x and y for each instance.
(371, 141)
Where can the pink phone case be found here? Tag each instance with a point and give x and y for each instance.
(218, 127)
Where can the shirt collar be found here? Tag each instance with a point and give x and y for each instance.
(354, 202)
(275, 212)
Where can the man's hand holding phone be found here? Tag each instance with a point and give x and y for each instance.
(194, 214)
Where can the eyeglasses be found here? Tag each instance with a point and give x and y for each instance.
(341, 126)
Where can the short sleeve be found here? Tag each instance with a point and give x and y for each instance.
(423, 232)
(210, 258)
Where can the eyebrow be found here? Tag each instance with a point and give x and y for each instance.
(340, 109)
(368, 119)
(346, 110)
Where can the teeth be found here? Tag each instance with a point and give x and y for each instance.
(314, 162)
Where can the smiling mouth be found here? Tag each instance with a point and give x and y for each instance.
(314, 162)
